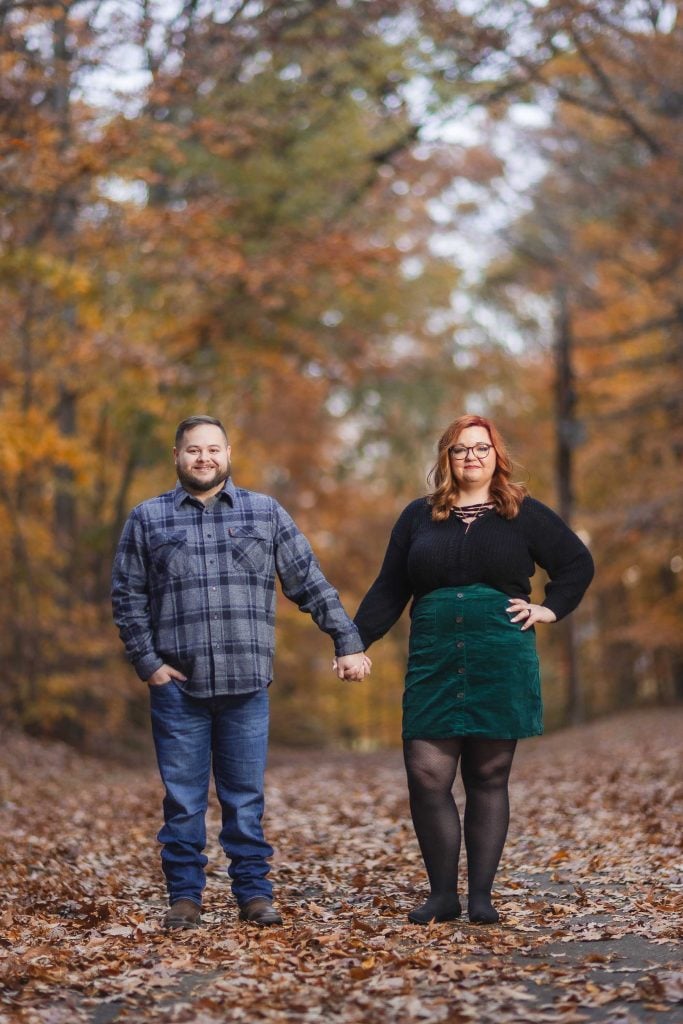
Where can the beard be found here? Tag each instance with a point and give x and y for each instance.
(199, 485)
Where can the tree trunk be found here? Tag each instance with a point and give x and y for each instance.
(567, 436)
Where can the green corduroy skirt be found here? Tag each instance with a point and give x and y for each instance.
(471, 671)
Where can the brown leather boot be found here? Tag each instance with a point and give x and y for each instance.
(183, 914)
(261, 911)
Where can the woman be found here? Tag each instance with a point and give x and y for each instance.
(465, 555)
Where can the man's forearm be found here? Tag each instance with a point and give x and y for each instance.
(137, 636)
(140, 650)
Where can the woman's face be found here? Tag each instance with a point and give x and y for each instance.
(473, 470)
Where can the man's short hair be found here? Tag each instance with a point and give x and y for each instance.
(197, 421)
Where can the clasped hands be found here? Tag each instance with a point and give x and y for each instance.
(352, 666)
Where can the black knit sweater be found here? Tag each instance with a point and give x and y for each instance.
(424, 555)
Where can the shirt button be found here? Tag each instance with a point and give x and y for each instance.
(461, 671)
(460, 643)
(458, 618)
(459, 595)
(460, 696)
(213, 588)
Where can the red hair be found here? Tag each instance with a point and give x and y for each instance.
(506, 496)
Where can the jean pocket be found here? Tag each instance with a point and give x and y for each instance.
(158, 688)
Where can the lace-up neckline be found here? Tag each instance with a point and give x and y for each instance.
(469, 514)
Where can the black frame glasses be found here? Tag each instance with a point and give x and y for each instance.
(480, 450)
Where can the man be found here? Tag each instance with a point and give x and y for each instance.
(194, 598)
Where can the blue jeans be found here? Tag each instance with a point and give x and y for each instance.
(189, 733)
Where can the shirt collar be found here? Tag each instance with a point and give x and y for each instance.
(227, 493)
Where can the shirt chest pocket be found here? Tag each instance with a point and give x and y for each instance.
(249, 548)
(169, 553)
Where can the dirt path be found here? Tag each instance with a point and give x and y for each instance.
(589, 894)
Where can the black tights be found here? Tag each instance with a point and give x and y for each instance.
(431, 766)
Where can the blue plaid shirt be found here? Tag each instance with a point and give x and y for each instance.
(194, 587)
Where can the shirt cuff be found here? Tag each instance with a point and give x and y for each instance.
(147, 666)
(348, 643)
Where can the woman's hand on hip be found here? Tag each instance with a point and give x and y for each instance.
(524, 611)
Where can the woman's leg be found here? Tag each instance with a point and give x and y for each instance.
(485, 772)
(431, 766)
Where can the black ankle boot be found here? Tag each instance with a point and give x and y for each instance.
(480, 910)
(436, 908)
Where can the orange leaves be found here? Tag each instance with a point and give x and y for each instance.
(31, 438)
(227, 240)
(558, 857)
(80, 923)
(363, 970)
(257, 235)
(601, 224)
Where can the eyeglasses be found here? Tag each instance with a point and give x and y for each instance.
(461, 451)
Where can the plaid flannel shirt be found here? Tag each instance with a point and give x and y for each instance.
(194, 587)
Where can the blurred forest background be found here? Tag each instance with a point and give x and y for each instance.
(337, 225)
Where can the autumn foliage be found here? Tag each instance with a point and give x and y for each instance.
(587, 891)
(255, 211)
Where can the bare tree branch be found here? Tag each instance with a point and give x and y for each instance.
(608, 88)
(656, 324)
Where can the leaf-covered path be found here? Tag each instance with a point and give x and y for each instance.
(589, 894)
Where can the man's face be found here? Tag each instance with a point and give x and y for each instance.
(203, 459)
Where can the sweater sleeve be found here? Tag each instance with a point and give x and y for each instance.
(563, 555)
(384, 602)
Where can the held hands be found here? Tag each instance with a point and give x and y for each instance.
(164, 674)
(528, 613)
(352, 666)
